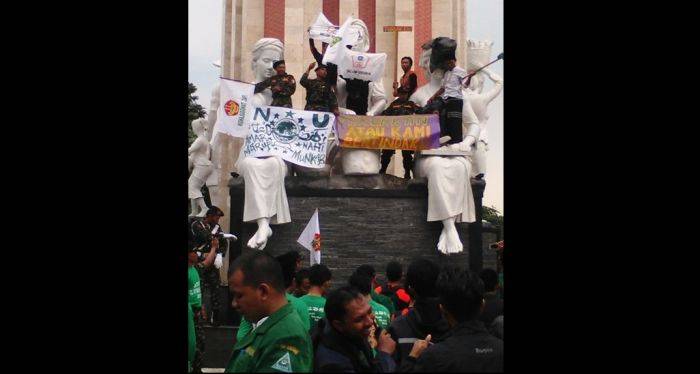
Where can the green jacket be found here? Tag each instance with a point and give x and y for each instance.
(280, 344)
(244, 326)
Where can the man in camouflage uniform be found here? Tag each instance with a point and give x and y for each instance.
(202, 238)
(399, 107)
(197, 263)
(282, 86)
(319, 96)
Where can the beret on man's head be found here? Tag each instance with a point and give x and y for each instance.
(277, 63)
(321, 66)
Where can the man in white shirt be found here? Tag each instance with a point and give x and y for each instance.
(451, 94)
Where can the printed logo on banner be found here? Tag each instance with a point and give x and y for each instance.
(357, 62)
(231, 108)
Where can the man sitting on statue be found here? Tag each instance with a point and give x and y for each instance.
(451, 94)
(399, 107)
(282, 86)
(332, 69)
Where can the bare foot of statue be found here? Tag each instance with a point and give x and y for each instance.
(449, 239)
(259, 240)
(441, 242)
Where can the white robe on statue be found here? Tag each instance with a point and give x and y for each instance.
(265, 194)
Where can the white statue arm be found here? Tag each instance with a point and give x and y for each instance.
(472, 125)
(378, 98)
(497, 85)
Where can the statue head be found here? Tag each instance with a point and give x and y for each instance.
(200, 127)
(478, 55)
(265, 52)
(359, 28)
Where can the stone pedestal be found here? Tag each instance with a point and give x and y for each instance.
(364, 220)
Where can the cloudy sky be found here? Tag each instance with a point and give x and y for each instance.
(484, 22)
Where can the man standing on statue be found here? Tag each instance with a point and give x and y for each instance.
(399, 107)
(282, 86)
(319, 96)
(409, 81)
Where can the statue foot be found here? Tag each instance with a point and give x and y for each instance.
(442, 246)
(453, 244)
(259, 240)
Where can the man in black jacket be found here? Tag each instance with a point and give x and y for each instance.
(468, 346)
(425, 317)
(493, 305)
(340, 339)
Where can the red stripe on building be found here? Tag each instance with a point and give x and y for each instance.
(422, 33)
(331, 9)
(367, 10)
(274, 19)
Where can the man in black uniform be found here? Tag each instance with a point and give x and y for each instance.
(399, 107)
(202, 236)
(282, 86)
(319, 96)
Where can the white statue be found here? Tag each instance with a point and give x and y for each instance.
(199, 159)
(450, 197)
(479, 55)
(362, 161)
(265, 195)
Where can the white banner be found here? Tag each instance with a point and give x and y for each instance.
(336, 49)
(235, 108)
(298, 136)
(364, 66)
(322, 29)
(310, 239)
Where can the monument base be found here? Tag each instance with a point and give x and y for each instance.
(369, 219)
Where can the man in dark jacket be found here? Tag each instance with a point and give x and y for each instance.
(424, 318)
(493, 305)
(340, 339)
(468, 346)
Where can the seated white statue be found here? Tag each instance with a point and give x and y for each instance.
(199, 155)
(450, 197)
(265, 195)
(362, 161)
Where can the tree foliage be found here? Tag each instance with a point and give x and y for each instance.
(492, 215)
(194, 111)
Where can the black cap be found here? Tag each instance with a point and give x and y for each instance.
(321, 66)
(277, 63)
(215, 211)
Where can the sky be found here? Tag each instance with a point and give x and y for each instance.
(484, 22)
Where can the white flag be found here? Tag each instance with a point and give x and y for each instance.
(310, 239)
(322, 29)
(336, 48)
(235, 108)
(363, 66)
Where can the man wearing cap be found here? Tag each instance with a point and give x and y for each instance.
(319, 96)
(282, 86)
(451, 93)
(202, 234)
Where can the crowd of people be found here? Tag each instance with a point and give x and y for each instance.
(292, 320)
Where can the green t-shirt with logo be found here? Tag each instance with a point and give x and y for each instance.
(383, 300)
(381, 314)
(316, 306)
(194, 289)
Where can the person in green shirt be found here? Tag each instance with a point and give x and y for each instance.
(363, 284)
(381, 299)
(278, 341)
(319, 283)
(289, 263)
(194, 292)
